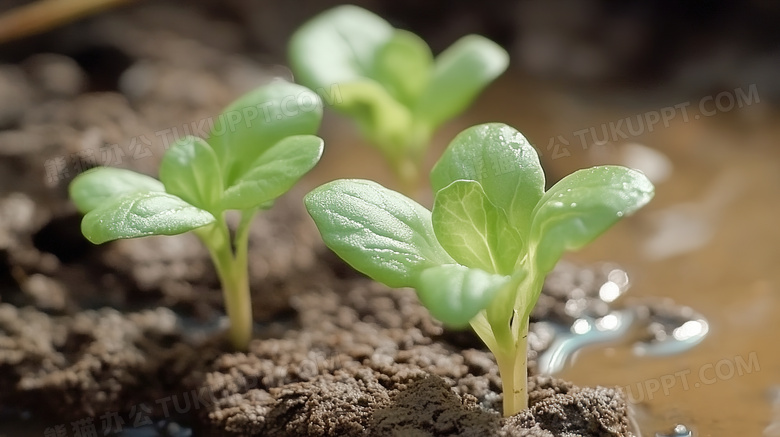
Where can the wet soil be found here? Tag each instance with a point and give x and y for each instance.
(375, 357)
(356, 359)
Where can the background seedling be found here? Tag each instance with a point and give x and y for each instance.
(389, 82)
(480, 256)
(257, 151)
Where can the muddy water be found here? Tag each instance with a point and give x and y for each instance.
(709, 240)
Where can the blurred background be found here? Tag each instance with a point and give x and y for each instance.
(685, 91)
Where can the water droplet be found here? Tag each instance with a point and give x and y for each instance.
(678, 431)
(689, 329)
(609, 291)
(619, 277)
(620, 213)
(608, 323)
(580, 326)
(575, 307)
(573, 204)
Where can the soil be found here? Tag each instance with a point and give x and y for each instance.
(135, 326)
(376, 358)
(356, 359)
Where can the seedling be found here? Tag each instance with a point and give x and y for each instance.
(388, 81)
(256, 151)
(480, 256)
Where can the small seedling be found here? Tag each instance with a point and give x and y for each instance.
(389, 82)
(480, 256)
(257, 150)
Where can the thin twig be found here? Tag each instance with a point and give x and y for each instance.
(44, 15)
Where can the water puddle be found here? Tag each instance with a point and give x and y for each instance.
(650, 327)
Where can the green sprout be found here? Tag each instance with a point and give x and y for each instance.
(480, 256)
(257, 150)
(390, 83)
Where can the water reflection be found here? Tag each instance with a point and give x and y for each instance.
(647, 327)
(584, 332)
(653, 327)
(670, 329)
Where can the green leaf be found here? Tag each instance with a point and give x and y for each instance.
(460, 74)
(503, 162)
(274, 172)
(382, 119)
(141, 214)
(455, 294)
(474, 231)
(260, 119)
(583, 205)
(95, 186)
(404, 66)
(379, 232)
(337, 46)
(191, 171)
(386, 78)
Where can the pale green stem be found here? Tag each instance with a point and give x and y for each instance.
(407, 171)
(506, 335)
(233, 274)
(407, 166)
(513, 368)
